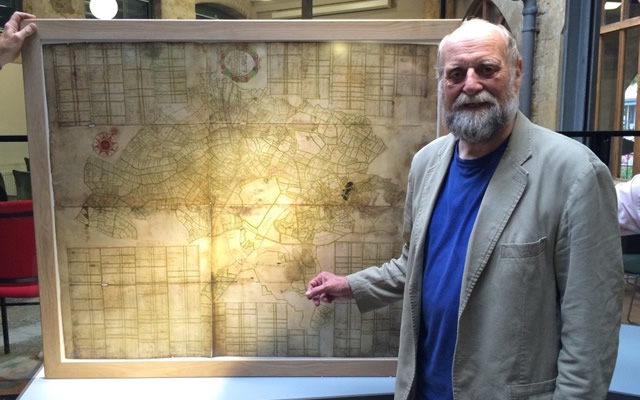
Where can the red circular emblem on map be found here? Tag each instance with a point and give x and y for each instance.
(240, 63)
(105, 143)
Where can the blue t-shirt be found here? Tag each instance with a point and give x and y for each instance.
(445, 250)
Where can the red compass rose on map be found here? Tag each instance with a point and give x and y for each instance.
(105, 143)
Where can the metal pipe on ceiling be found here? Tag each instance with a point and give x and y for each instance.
(529, 12)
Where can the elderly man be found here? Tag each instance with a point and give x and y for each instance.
(511, 273)
(12, 37)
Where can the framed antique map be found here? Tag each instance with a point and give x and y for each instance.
(190, 178)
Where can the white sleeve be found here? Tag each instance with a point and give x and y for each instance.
(629, 206)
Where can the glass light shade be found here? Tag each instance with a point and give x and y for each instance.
(103, 9)
(612, 5)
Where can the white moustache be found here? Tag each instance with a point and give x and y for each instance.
(482, 97)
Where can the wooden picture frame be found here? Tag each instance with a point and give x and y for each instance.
(83, 31)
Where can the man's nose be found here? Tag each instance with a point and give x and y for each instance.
(472, 83)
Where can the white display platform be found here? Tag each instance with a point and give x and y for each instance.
(625, 383)
(626, 376)
(203, 388)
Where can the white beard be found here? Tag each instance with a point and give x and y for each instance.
(475, 126)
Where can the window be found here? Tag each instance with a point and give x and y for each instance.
(7, 7)
(127, 9)
(617, 89)
(486, 10)
(216, 11)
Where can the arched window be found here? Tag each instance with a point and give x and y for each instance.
(486, 10)
(216, 11)
(7, 7)
(127, 9)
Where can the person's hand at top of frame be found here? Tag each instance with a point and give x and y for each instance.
(12, 38)
(327, 287)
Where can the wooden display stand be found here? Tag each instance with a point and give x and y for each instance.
(83, 31)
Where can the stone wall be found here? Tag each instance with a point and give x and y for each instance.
(55, 8)
(548, 62)
(186, 9)
(177, 9)
(242, 6)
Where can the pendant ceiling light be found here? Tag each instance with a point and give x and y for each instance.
(612, 5)
(103, 9)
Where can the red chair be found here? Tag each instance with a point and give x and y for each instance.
(18, 266)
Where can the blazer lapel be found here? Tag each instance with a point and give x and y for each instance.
(429, 191)
(502, 196)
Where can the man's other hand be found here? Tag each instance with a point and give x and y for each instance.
(12, 38)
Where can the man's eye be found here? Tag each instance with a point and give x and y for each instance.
(455, 75)
(487, 71)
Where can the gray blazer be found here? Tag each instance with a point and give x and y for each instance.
(541, 293)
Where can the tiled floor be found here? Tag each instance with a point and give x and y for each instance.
(25, 334)
(17, 367)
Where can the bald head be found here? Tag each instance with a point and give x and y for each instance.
(479, 75)
(477, 29)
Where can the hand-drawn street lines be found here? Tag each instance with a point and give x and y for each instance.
(116, 84)
(199, 187)
(360, 77)
(138, 303)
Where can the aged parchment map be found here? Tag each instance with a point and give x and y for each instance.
(199, 187)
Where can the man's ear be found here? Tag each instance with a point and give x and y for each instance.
(518, 76)
(519, 68)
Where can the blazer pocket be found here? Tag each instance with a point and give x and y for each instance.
(532, 391)
(523, 250)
